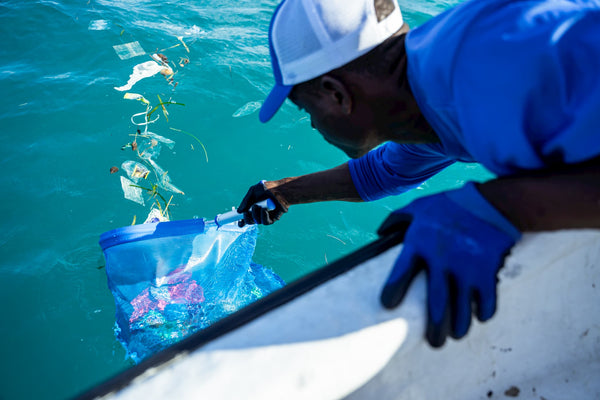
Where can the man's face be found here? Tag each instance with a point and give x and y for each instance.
(340, 129)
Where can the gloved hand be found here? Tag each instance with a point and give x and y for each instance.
(460, 240)
(255, 214)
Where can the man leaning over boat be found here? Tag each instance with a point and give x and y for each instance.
(514, 86)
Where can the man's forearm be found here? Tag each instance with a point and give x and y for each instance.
(332, 184)
(568, 198)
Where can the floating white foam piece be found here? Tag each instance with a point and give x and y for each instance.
(247, 109)
(141, 71)
(99, 25)
(129, 50)
(131, 192)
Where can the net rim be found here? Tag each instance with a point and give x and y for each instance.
(147, 231)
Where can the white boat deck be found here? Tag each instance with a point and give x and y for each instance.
(336, 341)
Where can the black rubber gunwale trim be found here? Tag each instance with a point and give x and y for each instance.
(246, 314)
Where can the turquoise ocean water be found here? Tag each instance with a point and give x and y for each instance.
(63, 126)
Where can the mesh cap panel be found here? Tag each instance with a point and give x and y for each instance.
(339, 19)
(294, 41)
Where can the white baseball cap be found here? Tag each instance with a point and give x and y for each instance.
(308, 38)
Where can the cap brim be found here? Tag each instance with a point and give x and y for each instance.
(273, 102)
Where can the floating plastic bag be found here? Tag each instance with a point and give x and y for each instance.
(141, 71)
(134, 170)
(131, 192)
(136, 96)
(247, 109)
(163, 179)
(156, 215)
(170, 279)
(168, 142)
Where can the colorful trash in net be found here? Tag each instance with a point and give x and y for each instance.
(170, 279)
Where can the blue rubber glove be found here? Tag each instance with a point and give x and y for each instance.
(460, 240)
(254, 213)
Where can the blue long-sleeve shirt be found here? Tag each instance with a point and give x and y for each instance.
(511, 84)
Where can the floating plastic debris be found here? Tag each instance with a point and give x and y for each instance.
(150, 150)
(155, 215)
(135, 171)
(163, 179)
(136, 96)
(146, 121)
(164, 61)
(133, 146)
(141, 71)
(167, 71)
(161, 58)
(247, 109)
(99, 25)
(183, 61)
(129, 50)
(168, 142)
(131, 192)
(147, 145)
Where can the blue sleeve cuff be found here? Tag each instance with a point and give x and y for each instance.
(394, 168)
(353, 166)
(469, 198)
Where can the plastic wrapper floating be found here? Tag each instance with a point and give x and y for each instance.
(170, 279)
(135, 171)
(149, 149)
(131, 192)
(247, 109)
(129, 50)
(166, 141)
(141, 71)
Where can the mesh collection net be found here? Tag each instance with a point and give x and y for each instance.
(171, 279)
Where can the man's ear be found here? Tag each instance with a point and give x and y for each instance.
(336, 91)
